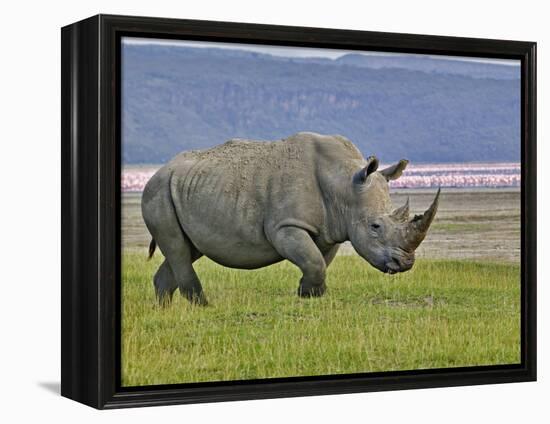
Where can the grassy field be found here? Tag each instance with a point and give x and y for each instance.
(442, 313)
(458, 306)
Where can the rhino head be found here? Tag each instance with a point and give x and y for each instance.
(386, 237)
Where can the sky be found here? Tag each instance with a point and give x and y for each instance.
(300, 52)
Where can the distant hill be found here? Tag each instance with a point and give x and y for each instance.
(445, 65)
(424, 109)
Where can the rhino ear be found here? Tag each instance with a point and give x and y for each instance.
(394, 172)
(361, 176)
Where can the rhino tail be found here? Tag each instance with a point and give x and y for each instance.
(152, 247)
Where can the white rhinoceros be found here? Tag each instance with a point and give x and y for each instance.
(248, 204)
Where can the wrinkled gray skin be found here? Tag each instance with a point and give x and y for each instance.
(247, 205)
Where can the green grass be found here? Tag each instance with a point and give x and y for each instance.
(439, 314)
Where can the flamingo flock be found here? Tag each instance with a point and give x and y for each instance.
(463, 175)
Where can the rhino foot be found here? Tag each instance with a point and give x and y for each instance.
(195, 298)
(164, 299)
(311, 291)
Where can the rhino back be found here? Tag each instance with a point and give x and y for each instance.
(230, 198)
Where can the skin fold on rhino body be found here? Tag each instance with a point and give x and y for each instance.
(249, 204)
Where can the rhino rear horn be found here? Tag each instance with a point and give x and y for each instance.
(401, 214)
(361, 176)
(418, 226)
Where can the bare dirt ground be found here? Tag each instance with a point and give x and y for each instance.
(480, 224)
(471, 224)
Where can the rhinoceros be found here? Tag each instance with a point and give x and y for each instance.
(249, 204)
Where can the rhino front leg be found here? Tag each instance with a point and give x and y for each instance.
(296, 245)
(329, 256)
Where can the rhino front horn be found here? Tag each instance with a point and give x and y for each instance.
(418, 226)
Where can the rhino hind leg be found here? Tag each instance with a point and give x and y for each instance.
(177, 272)
(180, 253)
(165, 284)
(296, 245)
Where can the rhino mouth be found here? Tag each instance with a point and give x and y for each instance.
(396, 265)
(391, 269)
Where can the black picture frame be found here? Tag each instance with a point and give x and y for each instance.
(90, 178)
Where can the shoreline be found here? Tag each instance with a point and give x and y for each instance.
(471, 224)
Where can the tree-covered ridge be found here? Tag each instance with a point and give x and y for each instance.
(181, 98)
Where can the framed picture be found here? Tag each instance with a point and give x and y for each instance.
(254, 211)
